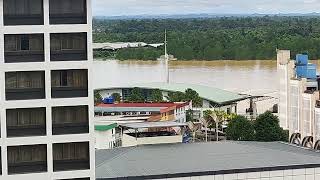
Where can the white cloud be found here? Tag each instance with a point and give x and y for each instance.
(136, 7)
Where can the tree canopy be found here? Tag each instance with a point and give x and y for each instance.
(188, 95)
(156, 95)
(240, 129)
(116, 97)
(97, 97)
(136, 95)
(229, 38)
(267, 128)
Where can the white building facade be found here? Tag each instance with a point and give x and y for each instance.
(46, 92)
(298, 104)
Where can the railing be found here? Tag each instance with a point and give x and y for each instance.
(70, 128)
(25, 93)
(70, 18)
(27, 130)
(23, 56)
(69, 55)
(27, 167)
(69, 92)
(71, 164)
(25, 19)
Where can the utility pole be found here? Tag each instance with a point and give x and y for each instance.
(166, 57)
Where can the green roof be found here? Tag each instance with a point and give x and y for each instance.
(216, 95)
(105, 127)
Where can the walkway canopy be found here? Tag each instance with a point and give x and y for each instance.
(162, 124)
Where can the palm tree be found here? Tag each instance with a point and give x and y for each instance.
(218, 118)
(205, 122)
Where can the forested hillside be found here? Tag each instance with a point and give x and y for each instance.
(216, 38)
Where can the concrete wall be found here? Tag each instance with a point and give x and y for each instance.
(292, 174)
(128, 141)
(104, 139)
(285, 73)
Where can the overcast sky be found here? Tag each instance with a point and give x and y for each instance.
(154, 7)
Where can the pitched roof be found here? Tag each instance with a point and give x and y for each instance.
(178, 160)
(216, 95)
(105, 127)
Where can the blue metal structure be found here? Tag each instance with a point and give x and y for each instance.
(304, 69)
(108, 100)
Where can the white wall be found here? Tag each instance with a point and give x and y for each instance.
(103, 139)
(295, 174)
(46, 66)
(128, 141)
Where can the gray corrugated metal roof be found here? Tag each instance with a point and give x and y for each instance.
(174, 159)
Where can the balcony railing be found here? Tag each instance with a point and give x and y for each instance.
(68, 18)
(25, 93)
(27, 167)
(70, 128)
(27, 130)
(32, 19)
(23, 56)
(68, 165)
(68, 92)
(68, 55)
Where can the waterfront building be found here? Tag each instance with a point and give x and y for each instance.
(46, 93)
(208, 161)
(299, 99)
(213, 98)
(111, 118)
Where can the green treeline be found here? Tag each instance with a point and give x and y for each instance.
(215, 38)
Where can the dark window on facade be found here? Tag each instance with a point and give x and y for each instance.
(69, 83)
(23, 12)
(27, 159)
(25, 85)
(70, 120)
(70, 78)
(23, 48)
(68, 47)
(71, 156)
(68, 12)
(26, 122)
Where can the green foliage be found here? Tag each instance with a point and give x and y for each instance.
(189, 115)
(240, 129)
(192, 95)
(214, 38)
(267, 128)
(156, 95)
(97, 97)
(136, 95)
(188, 95)
(176, 97)
(116, 97)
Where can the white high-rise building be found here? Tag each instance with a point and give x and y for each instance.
(299, 105)
(285, 73)
(46, 93)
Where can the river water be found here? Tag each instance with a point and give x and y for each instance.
(237, 76)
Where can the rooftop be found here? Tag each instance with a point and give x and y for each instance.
(216, 95)
(161, 124)
(137, 107)
(181, 160)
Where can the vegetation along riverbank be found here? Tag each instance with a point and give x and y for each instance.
(232, 38)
